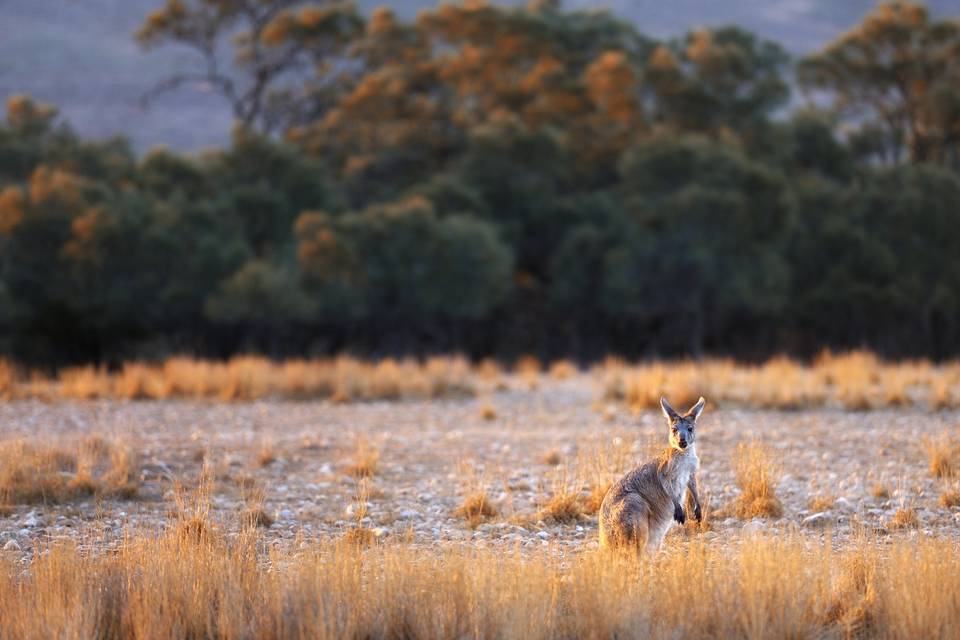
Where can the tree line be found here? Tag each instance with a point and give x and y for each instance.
(500, 180)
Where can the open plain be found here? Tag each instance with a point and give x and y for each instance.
(511, 473)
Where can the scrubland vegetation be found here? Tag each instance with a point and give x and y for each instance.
(424, 519)
(37, 472)
(247, 378)
(857, 380)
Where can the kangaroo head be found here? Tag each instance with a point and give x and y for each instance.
(682, 426)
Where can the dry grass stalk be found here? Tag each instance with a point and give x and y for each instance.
(593, 501)
(255, 516)
(941, 451)
(821, 502)
(756, 475)
(266, 455)
(476, 508)
(880, 491)
(365, 460)
(950, 498)
(563, 507)
(905, 518)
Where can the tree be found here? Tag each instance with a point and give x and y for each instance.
(898, 73)
(401, 270)
(706, 251)
(716, 81)
(287, 54)
(263, 295)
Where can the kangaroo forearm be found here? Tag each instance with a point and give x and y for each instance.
(695, 496)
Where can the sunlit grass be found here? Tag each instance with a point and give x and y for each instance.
(207, 586)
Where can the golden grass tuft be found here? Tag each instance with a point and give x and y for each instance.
(563, 507)
(853, 598)
(476, 508)
(366, 458)
(528, 366)
(552, 457)
(266, 455)
(593, 501)
(563, 370)
(905, 518)
(950, 498)
(255, 516)
(821, 503)
(66, 470)
(359, 536)
(880, 491)
(756, 475)
(941, 452)
(488, 412)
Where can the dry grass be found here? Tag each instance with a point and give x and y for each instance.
(772, 588)
(244, 378)
(905, 518)
(66, 470)
(8, 379)
(552, 457)
(594, 499)
(950, 498)
(266, 455)
(359, 536)
(563, 369)
(477, 508)
(256, 517)
(941, 452)
(365, 460)
(821, 503)
(528, 366)
(880, 492)
(857, 381)
(563, 507)
(488, 411)
(756, 475)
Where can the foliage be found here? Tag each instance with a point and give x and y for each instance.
(499, 180)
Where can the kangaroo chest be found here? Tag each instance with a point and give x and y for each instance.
(678, 472)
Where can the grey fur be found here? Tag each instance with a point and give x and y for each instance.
(639, 508)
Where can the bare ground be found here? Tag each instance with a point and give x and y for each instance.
(434, 453)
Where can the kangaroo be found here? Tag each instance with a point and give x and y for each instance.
(639, 508)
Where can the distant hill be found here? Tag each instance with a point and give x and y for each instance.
(80, 55)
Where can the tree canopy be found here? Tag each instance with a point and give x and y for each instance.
(499, 180)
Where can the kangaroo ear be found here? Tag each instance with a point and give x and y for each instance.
(697, 409)
(668, 410)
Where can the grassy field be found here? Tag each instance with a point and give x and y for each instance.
(252, 499)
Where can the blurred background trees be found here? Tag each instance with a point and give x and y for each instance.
(500, 180)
